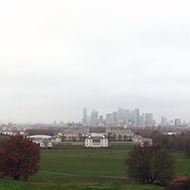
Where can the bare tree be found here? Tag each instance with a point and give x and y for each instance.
(120, 137)
(150, 164)
(110, 136)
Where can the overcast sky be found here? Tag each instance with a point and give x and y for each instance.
(57, 57)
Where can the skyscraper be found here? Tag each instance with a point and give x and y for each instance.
(84, 119)
(114, 116)
(136, 116)
(120, 114)
(177, 121)
(163, 121)
(149, 119)
(132, 116)
(94, 116)
(101, 119)
(108, 117)
(127, 114)
(142, 119)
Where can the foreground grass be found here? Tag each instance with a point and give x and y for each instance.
(89, 169)
(98, 162)
(73, 185)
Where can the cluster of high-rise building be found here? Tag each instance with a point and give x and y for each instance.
(120, 117)
(126, 117)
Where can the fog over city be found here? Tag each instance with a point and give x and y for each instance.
(58, 57)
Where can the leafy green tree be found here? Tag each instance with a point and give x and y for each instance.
(150, 164)
(19, 157)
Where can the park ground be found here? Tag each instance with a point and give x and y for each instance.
(87, 169)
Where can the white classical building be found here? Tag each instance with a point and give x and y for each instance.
(45, 140)
(96, 140)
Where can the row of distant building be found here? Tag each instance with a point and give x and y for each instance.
(89, 139)
(125, 117)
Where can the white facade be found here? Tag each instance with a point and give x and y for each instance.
(8, 133)
(45, 140)
(45, 143)
(96, 141)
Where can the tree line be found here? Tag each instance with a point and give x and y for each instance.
(179, 142)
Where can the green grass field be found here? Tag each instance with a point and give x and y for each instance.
(87, 169)
(74, 185)
(90, 162)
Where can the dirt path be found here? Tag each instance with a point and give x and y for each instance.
(113, 177)
(47, 172)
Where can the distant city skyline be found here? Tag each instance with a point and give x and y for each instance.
(136, 112)
(88, 111)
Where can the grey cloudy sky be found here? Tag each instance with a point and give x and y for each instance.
(57, 57)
